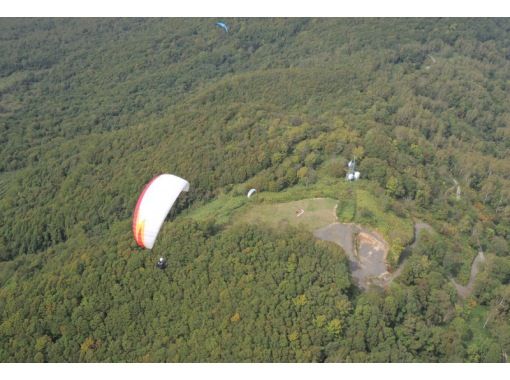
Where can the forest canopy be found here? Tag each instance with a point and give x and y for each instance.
(92, 109)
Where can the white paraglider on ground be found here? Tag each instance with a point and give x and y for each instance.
(250, 193)
(154, 204)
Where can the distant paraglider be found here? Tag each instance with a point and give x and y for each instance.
(251, 192)
(222, 25)
(154, 204)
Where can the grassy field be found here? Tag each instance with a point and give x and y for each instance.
(313, 213)
(227, 208)
(221, 209)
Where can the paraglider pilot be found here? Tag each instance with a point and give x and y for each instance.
(161, 264)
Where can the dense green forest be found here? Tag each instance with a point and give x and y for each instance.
(92, 109)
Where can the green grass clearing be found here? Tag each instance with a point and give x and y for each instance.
(221, 209)
(313, 214)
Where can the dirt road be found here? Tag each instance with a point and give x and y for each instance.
(418, 228)
(465, 291)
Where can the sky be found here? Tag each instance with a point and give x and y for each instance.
(258, 8)
(247, 8)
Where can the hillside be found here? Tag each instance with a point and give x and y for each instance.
(92, 109)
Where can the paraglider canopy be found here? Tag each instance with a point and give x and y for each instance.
(154, 203)
(222, 25)
(250, 193)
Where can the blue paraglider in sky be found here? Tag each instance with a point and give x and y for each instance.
(222, 25)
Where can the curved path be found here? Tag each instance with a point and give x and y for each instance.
(418, 228)
(462, 291)
(465, 291)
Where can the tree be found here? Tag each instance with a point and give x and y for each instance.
(394, 187)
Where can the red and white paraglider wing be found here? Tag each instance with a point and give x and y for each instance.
(154, 204)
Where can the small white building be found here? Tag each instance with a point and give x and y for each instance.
(352, 174)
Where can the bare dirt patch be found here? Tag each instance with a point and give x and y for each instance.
(366, 250)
